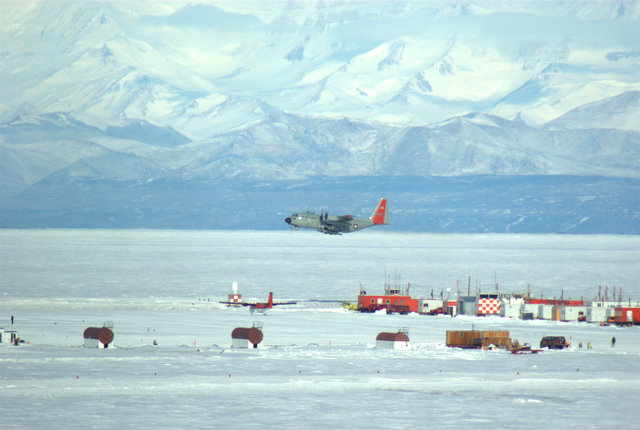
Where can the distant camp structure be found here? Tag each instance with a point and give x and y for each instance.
(235, 298)
(398, 340)
(10, 336)
(242, 337)
(98, 337)
(601, 309)
(477, 339)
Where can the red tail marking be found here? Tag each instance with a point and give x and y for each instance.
(378, 217)
(270, 303)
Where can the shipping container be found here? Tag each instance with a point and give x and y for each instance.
(477, 339)
(627, 315)
(598, 314)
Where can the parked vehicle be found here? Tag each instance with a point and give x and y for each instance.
(554, 342)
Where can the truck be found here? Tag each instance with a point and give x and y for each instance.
(554, 342)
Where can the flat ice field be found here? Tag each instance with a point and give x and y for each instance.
(318, 366)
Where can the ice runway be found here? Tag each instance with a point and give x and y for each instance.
(315, 369)
(317, 366)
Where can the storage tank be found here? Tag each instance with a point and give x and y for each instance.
(96, 336)
(242, 336)
(398, 340)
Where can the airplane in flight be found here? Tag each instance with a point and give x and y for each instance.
(339, 224)
(260, 307)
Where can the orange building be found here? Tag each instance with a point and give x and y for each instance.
(394, 300)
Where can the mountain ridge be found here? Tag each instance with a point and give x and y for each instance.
(280, 145)
(137, 95)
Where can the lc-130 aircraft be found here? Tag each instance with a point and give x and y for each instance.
(339, 224)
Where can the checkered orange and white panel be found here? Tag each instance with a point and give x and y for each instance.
(488, 306)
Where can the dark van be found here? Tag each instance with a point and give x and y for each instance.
(553, 342)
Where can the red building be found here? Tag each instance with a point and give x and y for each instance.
(554, 302)
(626, 315)
(394, 300)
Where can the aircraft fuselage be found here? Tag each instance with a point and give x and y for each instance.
(338, 224)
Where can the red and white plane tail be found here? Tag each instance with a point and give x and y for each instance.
(380, 215)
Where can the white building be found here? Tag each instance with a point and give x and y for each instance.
(511, 310)
(574, 313)
(430, 306)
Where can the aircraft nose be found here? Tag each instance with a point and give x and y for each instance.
(287, 220)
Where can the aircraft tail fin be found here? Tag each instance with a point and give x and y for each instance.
(380, 215)
(270, 303)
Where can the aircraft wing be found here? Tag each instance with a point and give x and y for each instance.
(254, 303)
(284, 303)
(339, 222)
(237, 304)
(331, 227)
(345, 217)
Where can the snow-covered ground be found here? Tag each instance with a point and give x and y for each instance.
(317, 366)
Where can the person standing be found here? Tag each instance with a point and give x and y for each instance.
(613, 341)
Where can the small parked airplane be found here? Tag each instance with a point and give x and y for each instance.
(339, 224)
(260, 307)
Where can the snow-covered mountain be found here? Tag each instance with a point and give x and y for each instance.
(279, 145)
(411, 63)
(621, 112)
(119, 93)
(59, 172)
